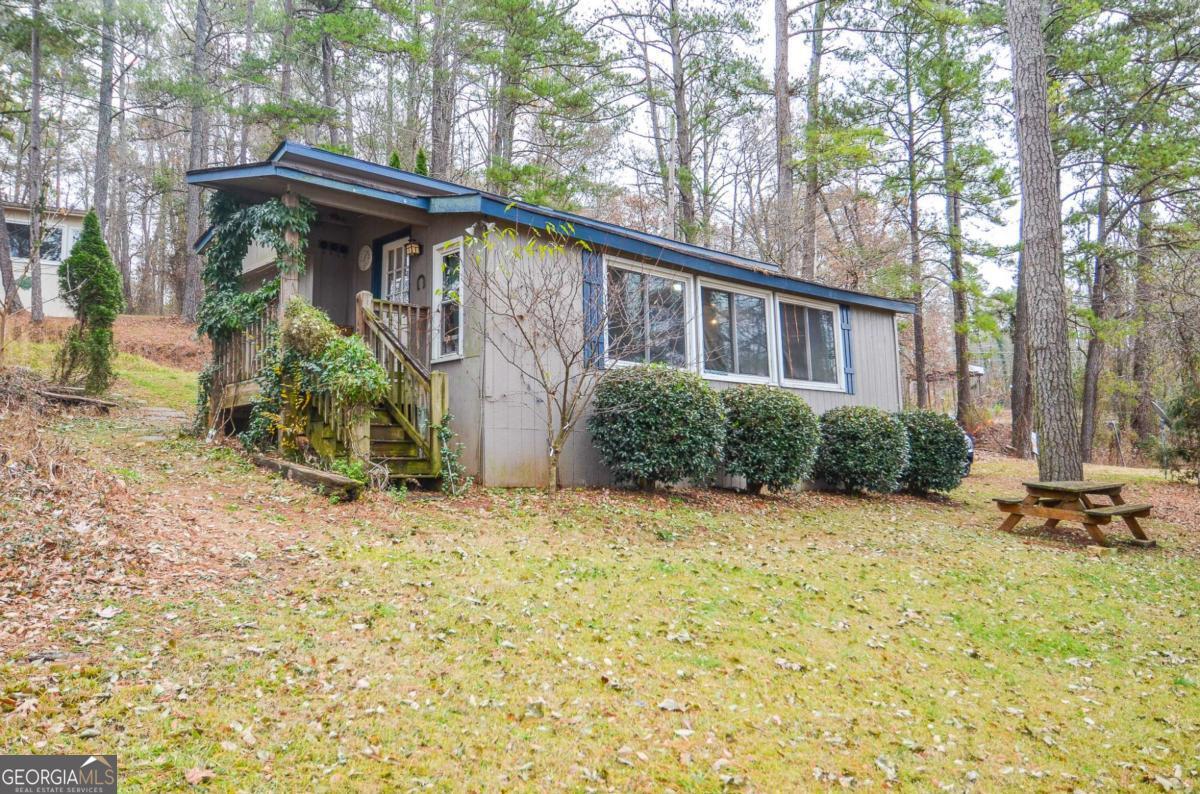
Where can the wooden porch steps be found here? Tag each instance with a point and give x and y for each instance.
(401, 434)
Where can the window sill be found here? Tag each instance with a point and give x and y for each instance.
(811, 385)
(446, 359)
(724, 378)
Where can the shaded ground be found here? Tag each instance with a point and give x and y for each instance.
(232, 629)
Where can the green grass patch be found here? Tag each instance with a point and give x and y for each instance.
(138, 378)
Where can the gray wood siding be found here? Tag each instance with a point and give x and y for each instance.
(498, 413)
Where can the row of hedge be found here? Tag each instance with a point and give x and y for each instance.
(654, 424)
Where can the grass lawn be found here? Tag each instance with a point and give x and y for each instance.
(613, 641)
(138, 378)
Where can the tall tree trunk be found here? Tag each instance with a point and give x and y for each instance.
(120, 218)
(1041, 240)
(412, 105)
(12, 295)
(812, 138)
(684, 180)
(190, 302)
(785, 175)
(441, 115)
(958, 282)
(247, 49)
(1021, 399)
(104, 115)
(36, 310)
(1095, 347)
(285, 72)
(1144, 423)
(335, 135)
(916, 266)
(503, 130)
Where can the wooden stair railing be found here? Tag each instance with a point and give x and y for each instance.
(408, 323)
(417, 399)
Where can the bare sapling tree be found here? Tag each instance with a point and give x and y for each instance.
(542, 310)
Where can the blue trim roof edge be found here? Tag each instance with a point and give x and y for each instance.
(600, 233)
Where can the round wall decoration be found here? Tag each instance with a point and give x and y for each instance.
(365, 258)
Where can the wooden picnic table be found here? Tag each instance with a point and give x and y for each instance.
(1073, 501)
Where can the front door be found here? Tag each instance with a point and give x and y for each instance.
(395, 284)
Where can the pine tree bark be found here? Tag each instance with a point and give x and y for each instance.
(1021, 400)
(958, 282)
(916, 265)
(1144, 423)
(684, 182)
(36, 310)
(104, 115)
(285, 71)
(1098, 301)
(247, 49)
(335, 134)
(441, 115)
(1041, 240)
(785, 176)
(12, 297)
(812, 174)
(190, 302)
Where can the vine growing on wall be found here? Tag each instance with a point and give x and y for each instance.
(225, 309)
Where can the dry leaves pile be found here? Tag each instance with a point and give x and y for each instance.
(75, 543)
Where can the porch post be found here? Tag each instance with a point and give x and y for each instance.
(362, 304)
(289, 282)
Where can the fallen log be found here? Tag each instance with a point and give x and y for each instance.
(324, 481)
(78, 399)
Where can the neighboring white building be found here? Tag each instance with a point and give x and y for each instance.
(61, 228)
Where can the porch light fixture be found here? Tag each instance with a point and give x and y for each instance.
(412, 248)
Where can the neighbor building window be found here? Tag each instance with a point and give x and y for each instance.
(448, 300)
(735, 333)
(18, 242)
(808, 343)
(647, 317)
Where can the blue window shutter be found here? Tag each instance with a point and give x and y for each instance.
(847, 353)
(593, 308)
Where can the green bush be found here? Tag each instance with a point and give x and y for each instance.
(862, 449)
(1181, 454)
(656, 424)
(348, 371)
(937, 452)
(90, 284)
(306, 329)
(771, 436)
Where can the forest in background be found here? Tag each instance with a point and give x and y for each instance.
(866, 144)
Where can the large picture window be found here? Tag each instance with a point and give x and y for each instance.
(735, 333)
(647, 317)
(18, 242)
(808, 343)
(448, 301)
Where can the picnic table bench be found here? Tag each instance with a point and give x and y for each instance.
(1073, 501)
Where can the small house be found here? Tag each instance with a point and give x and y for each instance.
(385, 258)
(60, 228)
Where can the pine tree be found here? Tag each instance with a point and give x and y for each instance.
(422, 166)
(394, 160)
(90, 284)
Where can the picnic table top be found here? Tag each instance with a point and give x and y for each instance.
(1076, 486)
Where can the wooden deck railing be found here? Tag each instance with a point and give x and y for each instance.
(417, 397)
(409, 324)
(239, 358)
